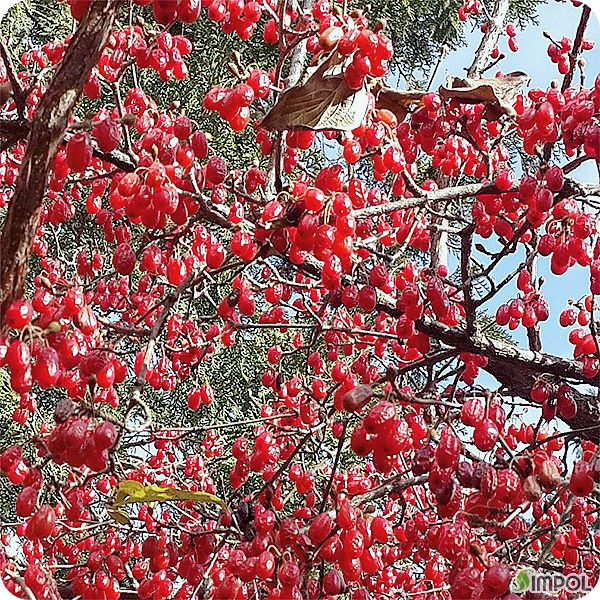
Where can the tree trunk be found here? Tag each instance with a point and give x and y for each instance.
(48, 127)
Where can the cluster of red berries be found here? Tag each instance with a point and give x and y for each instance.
(233, 104)
(35, 577)
(14, 465)
(56, 360)
(17, 469)
(100, 577)
(377, 135)
(584, 344)
(579, 120)
(528, 310)
(511, 32)
(236, 16)
(381, 433)
(79, 149)
(431, 125)
(451, 154)
(265, 453)
(473, 362)
(78, 441)
(163, 54)
(202, 395)
(554, 399)
(567, 238)
(487, 418)
(152, 196)
(580, 313)
(503, 213)
(30, 364)
(49, 54)
(537, 123)
(470, 582)
(560, 53)
(470, 6)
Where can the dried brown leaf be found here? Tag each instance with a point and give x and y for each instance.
(497, 93)
(323, 102)
(398, 101)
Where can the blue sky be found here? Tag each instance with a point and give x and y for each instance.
(560, 19)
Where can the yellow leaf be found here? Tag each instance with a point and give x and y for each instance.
(118, 515)
(133, 491)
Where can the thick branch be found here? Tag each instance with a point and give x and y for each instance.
(489, 40)
(47, 130)
(577, 44)
(513, 356)
(571, 187)
(517, 369)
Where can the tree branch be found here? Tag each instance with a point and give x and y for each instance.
(396, 484)
(577, 43)
(490, 39)
(17, 91)
(517, 369)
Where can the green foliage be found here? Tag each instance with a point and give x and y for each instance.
(8, 429)
(418, 28)
(487, 325)
(30, 23)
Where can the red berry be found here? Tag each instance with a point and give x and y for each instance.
(199, 145)
(26, 501)
(105, 435)
(334, 583)
(357, 397)
(18, 314)
(42, 523)
(107, 134)
(582, 482)
(188, 10)
(505, 178)
(320, 528)
(554, 178)
(485, 435)
(216, 170)
(177, 271)
(18, 356)
(46, 369)
(79, 151)
(124, 259)
(448, 450)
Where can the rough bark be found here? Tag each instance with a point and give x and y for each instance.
(47, 130)
(490, 38)
(517, 369)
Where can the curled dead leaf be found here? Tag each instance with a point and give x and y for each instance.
(398, 101)
(497, 93)
(322, 102)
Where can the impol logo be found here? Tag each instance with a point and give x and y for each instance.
(534, 581)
